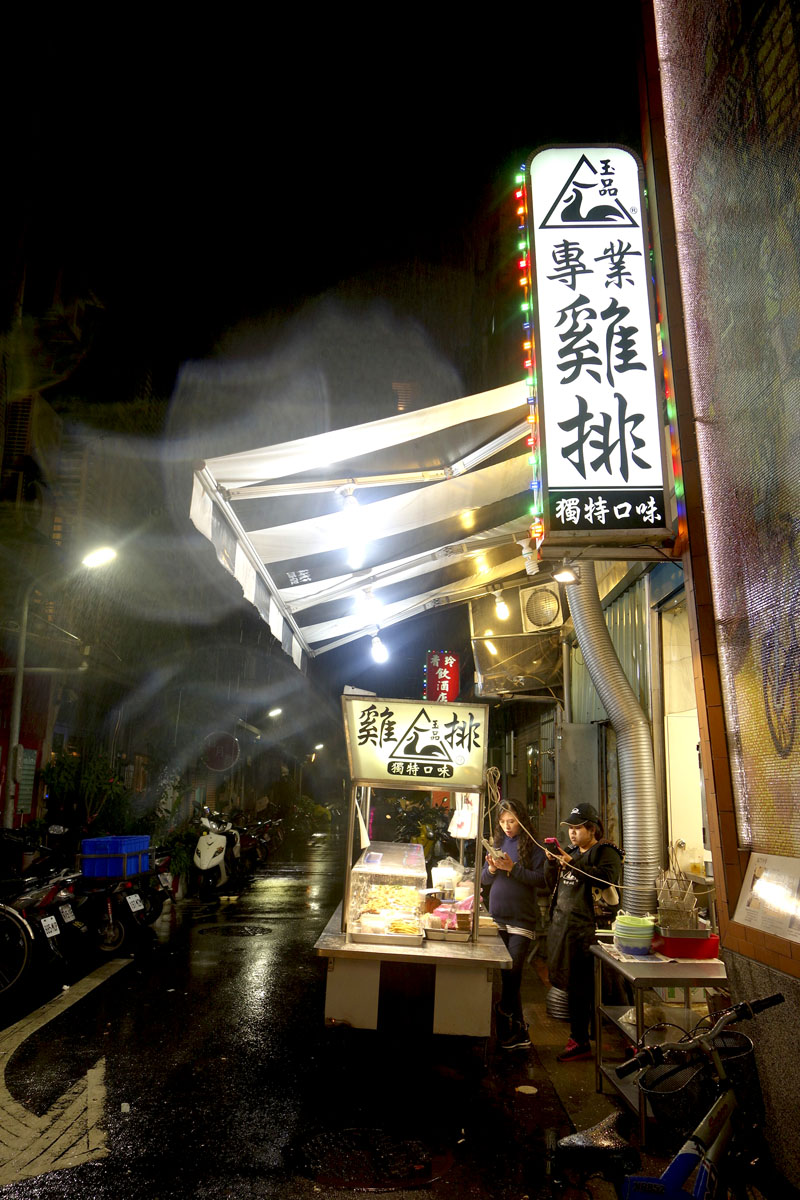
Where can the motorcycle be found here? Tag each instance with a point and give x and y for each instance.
(112, 908)
(217, 855)
(56, 899)
(156, 884)
(68, 914)
(260, 839)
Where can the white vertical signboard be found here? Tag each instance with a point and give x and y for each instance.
(599, 379)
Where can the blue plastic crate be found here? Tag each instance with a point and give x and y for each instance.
(115, 856)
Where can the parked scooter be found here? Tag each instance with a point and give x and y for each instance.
(217, 855)
(55, 899)
(113, 909)
(156, 884)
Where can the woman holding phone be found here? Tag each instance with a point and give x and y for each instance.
(512, 872)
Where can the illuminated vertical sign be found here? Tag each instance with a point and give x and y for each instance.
(441, 678)
(599, 386)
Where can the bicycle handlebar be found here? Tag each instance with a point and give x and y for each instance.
(641, 1058)
(651, 1056)
(757, 1006)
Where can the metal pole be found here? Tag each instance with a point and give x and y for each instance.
(16, 699)
(567, 682)
(16, 712)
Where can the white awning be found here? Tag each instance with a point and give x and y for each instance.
(437, 500)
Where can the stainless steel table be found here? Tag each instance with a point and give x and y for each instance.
(641, 975)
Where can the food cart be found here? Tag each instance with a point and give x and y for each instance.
(382, 918)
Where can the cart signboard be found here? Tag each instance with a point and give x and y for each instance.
(599, 374)
(422, 743)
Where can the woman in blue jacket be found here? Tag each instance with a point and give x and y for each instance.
(511, 875)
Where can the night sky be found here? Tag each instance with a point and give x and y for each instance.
(191, 180)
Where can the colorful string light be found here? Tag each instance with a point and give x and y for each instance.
(672, 411)
(536, 509)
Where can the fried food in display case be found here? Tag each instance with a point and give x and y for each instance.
(386, 894)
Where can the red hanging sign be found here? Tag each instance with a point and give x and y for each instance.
(442, 681)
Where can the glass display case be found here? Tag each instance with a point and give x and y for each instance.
(386, 894)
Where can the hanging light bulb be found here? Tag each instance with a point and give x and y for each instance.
(566, 573)
(353, 520)
(500, 606)
(368, 606)
(379, 651)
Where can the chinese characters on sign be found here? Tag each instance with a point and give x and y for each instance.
(442, 681)
(434, 744)
(599, 389)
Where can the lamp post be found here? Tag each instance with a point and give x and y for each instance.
(96, 558)
(309, 758)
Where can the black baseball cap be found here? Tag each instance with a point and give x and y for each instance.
(582, 813)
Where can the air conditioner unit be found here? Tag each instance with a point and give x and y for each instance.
(541, 608)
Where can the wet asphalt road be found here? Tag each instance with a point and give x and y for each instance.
(202, 1068)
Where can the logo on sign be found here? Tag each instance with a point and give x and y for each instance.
(588, 199)
(421, 750)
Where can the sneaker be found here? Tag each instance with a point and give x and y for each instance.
(518, 1038)
(574, 1051)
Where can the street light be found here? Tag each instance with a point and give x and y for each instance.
(96, 558)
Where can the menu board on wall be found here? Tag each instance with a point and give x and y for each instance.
(770, 897)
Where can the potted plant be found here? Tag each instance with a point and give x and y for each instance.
(180, 843)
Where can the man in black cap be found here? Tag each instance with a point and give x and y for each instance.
(589, 863)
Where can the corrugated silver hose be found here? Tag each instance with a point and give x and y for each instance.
(641, 819)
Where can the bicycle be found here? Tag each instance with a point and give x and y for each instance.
(16, 948)
(725, 1151)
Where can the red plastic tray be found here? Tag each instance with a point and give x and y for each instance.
(687, 947)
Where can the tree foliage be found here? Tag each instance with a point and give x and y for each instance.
(81, 790)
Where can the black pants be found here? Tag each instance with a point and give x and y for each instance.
(580, 996)
(518, 946)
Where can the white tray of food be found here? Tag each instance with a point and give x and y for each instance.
(448, 935)
(386, 939)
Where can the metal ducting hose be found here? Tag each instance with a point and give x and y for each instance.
(641, 819)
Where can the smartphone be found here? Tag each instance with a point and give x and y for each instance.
(552, 844)
(490, 849)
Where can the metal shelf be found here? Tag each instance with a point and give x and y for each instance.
(686, 1018)
(628, 1091)
(641, 976)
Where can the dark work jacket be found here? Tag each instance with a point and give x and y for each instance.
(512, 895)
(572, 919)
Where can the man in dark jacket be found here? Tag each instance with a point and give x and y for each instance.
(573, 873)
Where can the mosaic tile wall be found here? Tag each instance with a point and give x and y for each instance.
(731, 84)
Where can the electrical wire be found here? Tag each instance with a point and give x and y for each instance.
(492, 785)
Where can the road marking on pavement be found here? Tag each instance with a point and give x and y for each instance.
(71, 1131)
